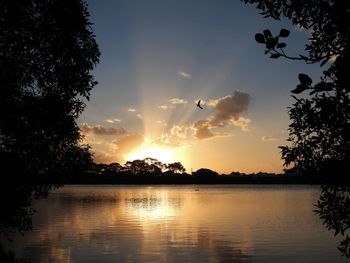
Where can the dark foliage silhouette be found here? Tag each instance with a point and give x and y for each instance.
(333, 208)
(152, 171)
(204, 172)
(319, 133)
(47, 50)
(320, 128)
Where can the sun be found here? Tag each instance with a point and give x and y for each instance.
(164, 155)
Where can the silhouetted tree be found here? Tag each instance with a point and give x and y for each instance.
(110, 169)
(176, 167)
(205, 173)
(320, 128)
(137, 166)
(47, 51)
(155, 162)
(319, 133)
(333, 208)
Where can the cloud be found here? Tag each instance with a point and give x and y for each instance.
(100, 130)
(166, 107)
(139, 116)
(210, 102)
(268, 138)
(242, 123)
(177, 101)
(128, 144)
(203, 130)
(103, 157)
(177, 136)
(173, 102)
(180, 131)
(115, 150)
(113, 120)
(131, 110)
(159, 122)
(227, 110)
(184, 74)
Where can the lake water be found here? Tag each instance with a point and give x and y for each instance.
(179, 224)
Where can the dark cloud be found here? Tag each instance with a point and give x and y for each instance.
(227, 110)
(202, 130)
(100, 130)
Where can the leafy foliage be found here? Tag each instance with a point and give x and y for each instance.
(147, 166)
(333, 207)
(47, 50)
(319, 133)
(320, 128)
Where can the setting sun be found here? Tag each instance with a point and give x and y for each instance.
(161, 154)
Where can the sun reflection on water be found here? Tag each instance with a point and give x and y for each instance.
(151, 205)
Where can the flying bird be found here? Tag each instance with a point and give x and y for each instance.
(199, 104)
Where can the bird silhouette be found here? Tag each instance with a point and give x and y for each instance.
(199, 104)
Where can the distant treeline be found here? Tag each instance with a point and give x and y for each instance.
(152, 171)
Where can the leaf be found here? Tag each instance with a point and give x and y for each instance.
(299, 89)
(284, 32)
(322, 86)
(281, 45)
(260, 38)
(276, 55)
(271, 42)
(267, 33)
(305, 79)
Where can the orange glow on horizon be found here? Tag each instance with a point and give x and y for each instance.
(163, 155)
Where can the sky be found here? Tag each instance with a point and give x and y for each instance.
(159, 57)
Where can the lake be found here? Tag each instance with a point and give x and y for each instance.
(240, 223)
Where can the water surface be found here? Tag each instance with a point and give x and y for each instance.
(179, 224)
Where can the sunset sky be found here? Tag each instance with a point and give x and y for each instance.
(159, 57)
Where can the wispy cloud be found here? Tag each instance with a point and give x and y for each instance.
(159, 122)
(172, 103)
(184, 74)
(113, 120)
(139, 116)
(268, 138)
(177, 101)
(178, 135)
(242, 123)
(131, 110)
(100, 130)
(166, 107)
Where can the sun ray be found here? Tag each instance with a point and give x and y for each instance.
(165, 155)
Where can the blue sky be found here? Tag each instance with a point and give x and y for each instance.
(153, 52)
